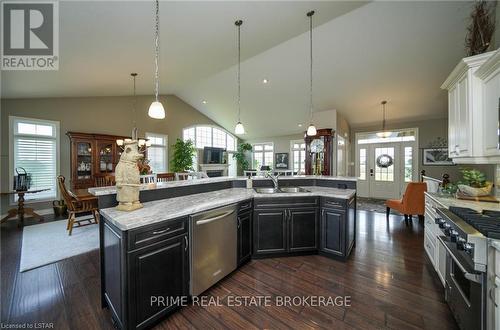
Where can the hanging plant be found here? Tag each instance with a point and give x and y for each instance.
(481, 28)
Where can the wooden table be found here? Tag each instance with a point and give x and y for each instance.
(21, 211)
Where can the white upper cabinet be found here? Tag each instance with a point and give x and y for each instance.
(489, 73)
(468, 116)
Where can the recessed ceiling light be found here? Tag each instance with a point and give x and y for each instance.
(204, 102)
(265, 81)
(300, 125)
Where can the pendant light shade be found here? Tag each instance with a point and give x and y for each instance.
(156, 109)
(239, 128)
(311, 130)
(383, 134)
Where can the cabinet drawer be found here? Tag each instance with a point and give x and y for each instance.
(157, 232)
(333, 203)
(287, 202)
(245, 206)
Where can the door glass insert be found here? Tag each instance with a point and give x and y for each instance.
(408, 164)
(362, 164)
(106, 158)
(385, 170)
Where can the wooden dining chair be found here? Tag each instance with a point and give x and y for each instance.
(104, 180)
(147, 179)
(165, 177)
(181, 176)
(77, 206)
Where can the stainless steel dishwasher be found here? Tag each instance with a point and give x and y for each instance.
(213, 247)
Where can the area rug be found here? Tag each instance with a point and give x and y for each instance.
(373, 205)
(49, 242)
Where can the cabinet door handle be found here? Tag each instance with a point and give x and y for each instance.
(323, 213)
(492, 297)
(187, 243)
(239, 222)
(161, 231)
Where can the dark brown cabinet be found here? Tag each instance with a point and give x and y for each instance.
(303, 228)
(283, 226)
(158, 276)
(332, 228)
(244, 236)
(140, 282)
(92, 155)
(270, 231)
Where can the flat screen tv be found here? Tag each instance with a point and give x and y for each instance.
(213, 155)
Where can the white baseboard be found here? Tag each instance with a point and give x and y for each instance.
(41, 212)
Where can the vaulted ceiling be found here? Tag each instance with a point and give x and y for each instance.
(364, 52)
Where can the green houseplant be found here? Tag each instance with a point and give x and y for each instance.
(241, 155)
(474, 183)
(182, 159)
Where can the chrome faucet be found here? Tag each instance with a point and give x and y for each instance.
(274, 179)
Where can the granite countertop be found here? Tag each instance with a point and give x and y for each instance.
(101, 191)
(447, 201)
(176, 207)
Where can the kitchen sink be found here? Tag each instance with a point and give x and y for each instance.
(280, 190)
(266, 190)
(293, 189)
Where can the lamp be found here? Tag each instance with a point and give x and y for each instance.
(239, 128)
(383, 134)
(311, 130)
(156, 109)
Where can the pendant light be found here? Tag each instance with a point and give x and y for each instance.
(239, 128)
(156, 109)
(384, 133)
(311, 130)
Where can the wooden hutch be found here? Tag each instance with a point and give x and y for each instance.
(92, 155)
(319, 152)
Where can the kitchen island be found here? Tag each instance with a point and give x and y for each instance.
(151, 252)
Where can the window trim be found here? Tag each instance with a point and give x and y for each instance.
(165, 137)
(212, 135)
(56, 124)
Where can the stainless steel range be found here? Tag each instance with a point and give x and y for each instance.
(465, 239)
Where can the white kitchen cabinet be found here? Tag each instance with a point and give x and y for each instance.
(465, 111)
(489, 73)
(493, 286)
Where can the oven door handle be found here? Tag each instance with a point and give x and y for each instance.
(470, 276)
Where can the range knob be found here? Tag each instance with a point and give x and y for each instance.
(441, 223)
(460, 243)
(453, 235)
(447, 229)
(467, 247)
(437, 220)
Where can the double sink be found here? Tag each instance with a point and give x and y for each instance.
(280, 190)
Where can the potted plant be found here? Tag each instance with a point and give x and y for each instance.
(242, 155)
(182, 159)
(474, 183)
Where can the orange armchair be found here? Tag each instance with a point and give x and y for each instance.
(413, 201)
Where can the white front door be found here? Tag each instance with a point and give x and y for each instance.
(384, 162)
(384, 169)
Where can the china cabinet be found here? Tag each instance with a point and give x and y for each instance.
(319, 152)
(92, 155)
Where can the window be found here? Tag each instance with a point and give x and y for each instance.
(362, 164)
(262, 155)
(298, 148)
(34, 146)
(408, 164)
(211, 136)
(158, 152)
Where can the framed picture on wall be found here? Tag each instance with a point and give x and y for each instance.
(436, 156)
(281, 160)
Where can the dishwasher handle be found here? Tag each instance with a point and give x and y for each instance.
(205, 221)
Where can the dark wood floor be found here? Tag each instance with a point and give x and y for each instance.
(391, 282)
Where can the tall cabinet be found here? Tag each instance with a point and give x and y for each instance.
(92, 155)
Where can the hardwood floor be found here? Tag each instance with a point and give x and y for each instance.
(388, 277)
